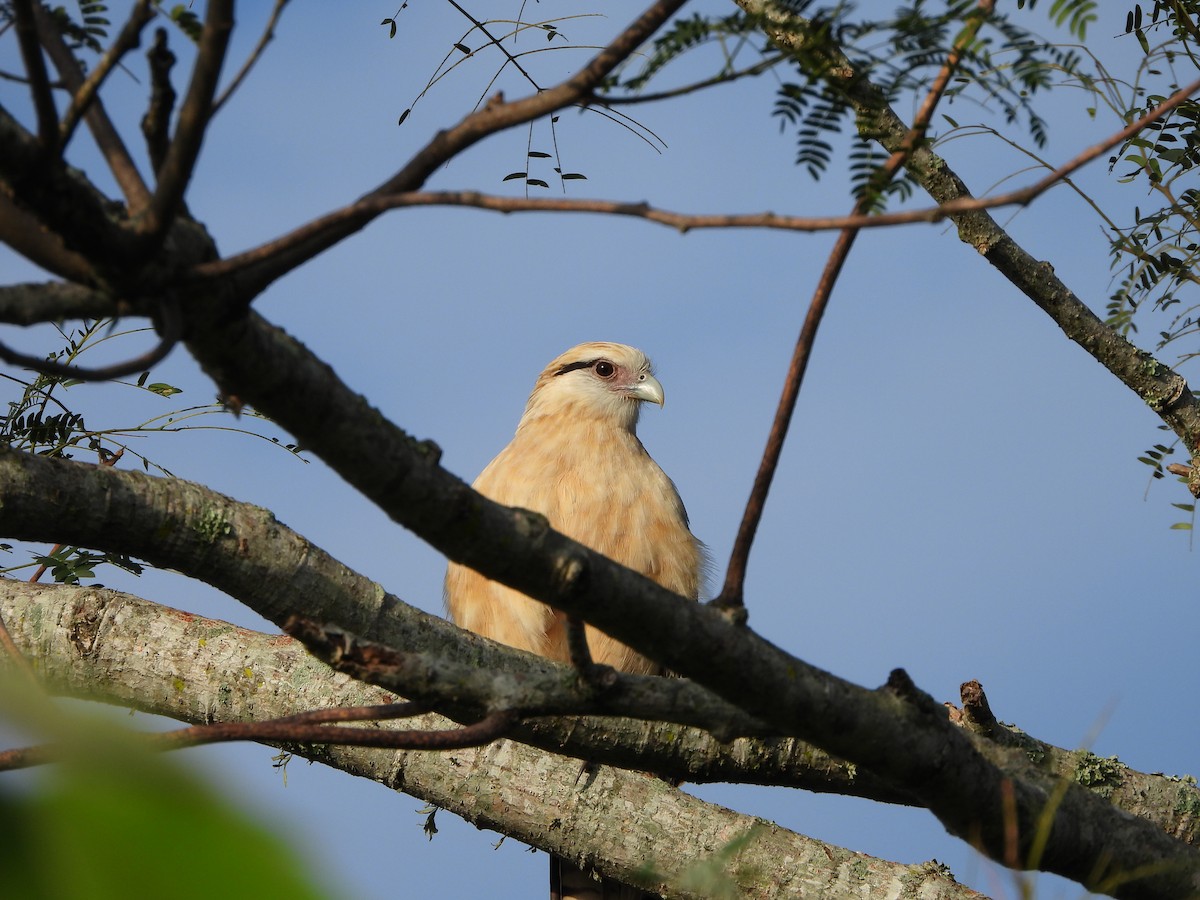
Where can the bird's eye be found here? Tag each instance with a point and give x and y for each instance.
(605, 369)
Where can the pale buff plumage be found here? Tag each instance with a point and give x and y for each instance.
(577, 460)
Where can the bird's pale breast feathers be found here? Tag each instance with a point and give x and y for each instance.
(577, 460)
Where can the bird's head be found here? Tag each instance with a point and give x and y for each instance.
(594, 381)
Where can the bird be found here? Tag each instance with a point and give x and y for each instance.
(577, 460)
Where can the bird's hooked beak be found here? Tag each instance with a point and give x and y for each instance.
(648, 390)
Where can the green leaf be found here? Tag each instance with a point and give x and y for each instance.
(1182, 526)
(536, 182)
(392, 30)
(163, 390)
(538, 154)
(71, 834)
(404, 115)
(513, 175)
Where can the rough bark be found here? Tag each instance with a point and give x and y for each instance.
(113, 647)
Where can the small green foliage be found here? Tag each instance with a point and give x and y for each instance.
(88, 31)
(68, 834)
(719, 875)
(429, 826)
(163, 390)
(1002, 67)
(687, 34)
(70, 565)
(1154, 459)
(211, 526)
(187, 21)
(1099, 774)
(1187, 800)
(42, 420)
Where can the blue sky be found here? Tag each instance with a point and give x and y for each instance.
(959, 496)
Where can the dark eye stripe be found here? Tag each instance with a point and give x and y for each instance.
(571, 367)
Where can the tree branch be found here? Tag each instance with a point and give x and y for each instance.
(895, 731)
(25, 234)
(24, 12)
(732, 599)
(30, 304)
(194, 115)
(63, 200)
(171, 333)
(264, 267)
(373, 205)
(91, 643)
(120, 163)
(268, 35)
(1161, 388)
(85, 95)
(310, 727)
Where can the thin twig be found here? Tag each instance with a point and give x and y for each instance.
(24, 11)
(156, 123)
(305, 728)
(732, 598)
(596, 679)
(194, 116)
(172, 331)
(723, 78)
(264, 39)
(293, 249)
(108, 139)
(500, 46)
(128, 39)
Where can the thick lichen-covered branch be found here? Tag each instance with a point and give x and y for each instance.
(91, 643)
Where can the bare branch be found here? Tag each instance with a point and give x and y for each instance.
(171, 331)
(533, 796)
(248, 266)
(732, 599)
(261, 267)
(156, 123)
(264, 39)
(465, 690)
(24, 12)
(194, 116)
(120, 163)
(128, 39)
(765, 65)
(499, 45)
(1157, 384)
(26, 235)
(29, 304)
(302, 728)
(62, 199)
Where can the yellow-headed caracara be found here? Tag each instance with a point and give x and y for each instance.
(576, 459)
